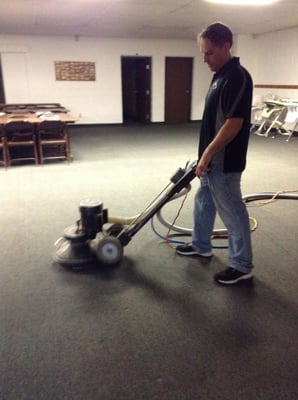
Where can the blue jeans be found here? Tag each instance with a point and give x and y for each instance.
(221, 192)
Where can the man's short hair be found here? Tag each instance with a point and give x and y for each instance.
(218, 34)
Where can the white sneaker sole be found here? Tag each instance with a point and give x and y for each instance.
(195, 253)
(240, 278)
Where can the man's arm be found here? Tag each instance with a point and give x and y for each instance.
(225, 135)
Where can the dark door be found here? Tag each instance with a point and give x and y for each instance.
(136, 88)
(2, 94)
(178, 83)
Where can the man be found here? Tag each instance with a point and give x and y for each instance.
(222, 157)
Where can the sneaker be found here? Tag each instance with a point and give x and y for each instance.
(188, 250)
(230, 276)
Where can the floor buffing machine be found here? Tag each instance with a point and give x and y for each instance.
(88, 241)
(98, 237)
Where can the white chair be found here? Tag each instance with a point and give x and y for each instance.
(273, 117)
(291, 123)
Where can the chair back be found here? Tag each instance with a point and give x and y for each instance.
(51, 130)
(282, 115)
(19, 131)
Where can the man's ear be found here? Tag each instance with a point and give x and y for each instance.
(227, 46)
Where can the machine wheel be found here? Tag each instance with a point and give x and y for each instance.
(109, 250)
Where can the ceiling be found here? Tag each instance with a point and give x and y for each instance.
(168, 19)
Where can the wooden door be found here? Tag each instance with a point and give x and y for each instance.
(136, 88)
(178, 84)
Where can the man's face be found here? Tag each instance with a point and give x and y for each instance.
(215, 56)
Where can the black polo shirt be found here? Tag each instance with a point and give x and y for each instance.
(229, 96)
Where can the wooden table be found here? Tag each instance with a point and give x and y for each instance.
(36, 119)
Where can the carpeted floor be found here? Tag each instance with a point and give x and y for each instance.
(156, 327)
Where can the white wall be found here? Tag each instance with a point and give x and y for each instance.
(272, 58)
(29, 76)
(99, 101)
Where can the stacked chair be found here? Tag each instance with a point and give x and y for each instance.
(53, 141)
(21, 143)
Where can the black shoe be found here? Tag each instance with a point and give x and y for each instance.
(230, 276)
(188, 250)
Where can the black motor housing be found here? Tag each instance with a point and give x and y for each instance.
(93, 217)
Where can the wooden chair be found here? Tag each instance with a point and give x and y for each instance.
(53, 141)
(21, 142)
(3, 148)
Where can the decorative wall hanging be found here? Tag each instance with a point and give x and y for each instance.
(75, 71)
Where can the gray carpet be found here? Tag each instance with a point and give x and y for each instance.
(156, 327)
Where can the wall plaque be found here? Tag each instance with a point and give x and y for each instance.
(75, 71)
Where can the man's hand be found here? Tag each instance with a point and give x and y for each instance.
(203, 163)
(225, 135)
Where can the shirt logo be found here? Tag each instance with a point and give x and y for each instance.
(214, 86)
